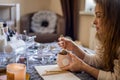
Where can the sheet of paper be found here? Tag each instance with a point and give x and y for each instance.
(61, 76)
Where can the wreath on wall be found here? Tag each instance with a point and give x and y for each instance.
(44, 22)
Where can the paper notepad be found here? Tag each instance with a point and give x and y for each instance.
(64, 75)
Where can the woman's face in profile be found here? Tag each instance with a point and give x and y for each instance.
(98, 18)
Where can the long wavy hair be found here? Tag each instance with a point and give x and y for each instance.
(110, 39)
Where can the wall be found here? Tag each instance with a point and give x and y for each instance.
(86, 31)
(85, 23)
(56, 6)
(27, 6)
(82, 5)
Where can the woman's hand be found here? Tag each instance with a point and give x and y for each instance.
(76, 64)
(66, 43)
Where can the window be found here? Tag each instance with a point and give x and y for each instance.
(89, 5)
(11, 14)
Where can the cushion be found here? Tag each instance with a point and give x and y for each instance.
(44, 22)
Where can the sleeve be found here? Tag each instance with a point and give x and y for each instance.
(103, 75)
(94, 59)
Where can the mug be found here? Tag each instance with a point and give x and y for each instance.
(63, 59)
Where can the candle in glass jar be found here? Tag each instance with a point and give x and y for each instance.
(16, 71)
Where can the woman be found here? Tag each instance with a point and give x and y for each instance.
(105, 64)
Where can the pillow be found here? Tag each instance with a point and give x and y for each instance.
(44, 22)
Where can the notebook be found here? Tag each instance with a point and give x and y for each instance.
(48, 72)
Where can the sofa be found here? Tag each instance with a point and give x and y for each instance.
(42, 37)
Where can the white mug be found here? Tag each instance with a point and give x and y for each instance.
(63, 60)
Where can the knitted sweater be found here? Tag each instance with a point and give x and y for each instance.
(96, 60)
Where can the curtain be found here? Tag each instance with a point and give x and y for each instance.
(70, 13)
